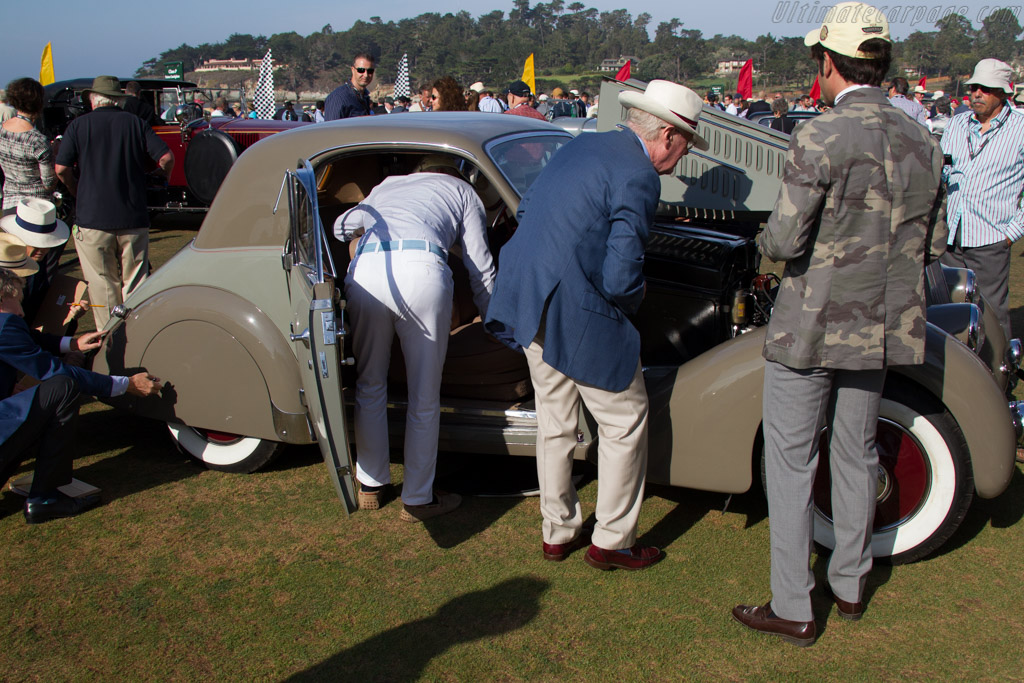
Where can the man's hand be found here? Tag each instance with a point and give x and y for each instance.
(79, 308)
(88, 341)
(143, 384)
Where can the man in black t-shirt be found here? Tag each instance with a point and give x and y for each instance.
(113, 150)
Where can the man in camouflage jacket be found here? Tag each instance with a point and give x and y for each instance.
(860, 211)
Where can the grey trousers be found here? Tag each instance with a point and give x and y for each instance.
(797, 405)
(991, 266)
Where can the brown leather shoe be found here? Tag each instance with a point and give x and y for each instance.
(637, 557)
(851, 611)
(443, 503)
(556, 552)
(763, 619)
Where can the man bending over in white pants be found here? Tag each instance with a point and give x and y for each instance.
(399, 282)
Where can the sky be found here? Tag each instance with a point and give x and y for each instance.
(116, 36)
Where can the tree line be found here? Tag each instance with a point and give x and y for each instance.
(573, 39)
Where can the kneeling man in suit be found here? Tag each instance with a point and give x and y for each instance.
(563, 293)
(43, 418)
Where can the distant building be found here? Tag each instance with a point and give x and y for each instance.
(729, 66)
(616, 64)
(234, 65)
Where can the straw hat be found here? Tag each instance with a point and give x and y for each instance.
(13, 257)
(36, 224)
(670, 102)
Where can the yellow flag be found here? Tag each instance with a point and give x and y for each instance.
(528, 74)
(46, 66)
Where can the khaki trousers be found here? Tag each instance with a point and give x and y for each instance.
(621, 454)
(114, 263)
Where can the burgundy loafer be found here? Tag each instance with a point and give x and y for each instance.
(637, 557)
(763, 619)
(556, 552)
(851, 611)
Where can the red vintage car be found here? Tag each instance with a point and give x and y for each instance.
(204, 150)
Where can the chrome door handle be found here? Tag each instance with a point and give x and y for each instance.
(302, 337)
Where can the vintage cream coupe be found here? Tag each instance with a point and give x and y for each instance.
(246, 324)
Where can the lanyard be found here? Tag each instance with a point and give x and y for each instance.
(985, 139)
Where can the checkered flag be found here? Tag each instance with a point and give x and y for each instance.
(263, 96)
(402, 80)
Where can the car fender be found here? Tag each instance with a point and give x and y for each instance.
(964, 384)
(705, 418)
(225, 365)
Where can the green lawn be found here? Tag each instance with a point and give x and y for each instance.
(189, 574)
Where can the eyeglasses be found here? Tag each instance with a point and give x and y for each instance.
(364, 70)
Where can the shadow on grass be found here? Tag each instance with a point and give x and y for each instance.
(150, 459)
(402, 653)
(691, 507)
(1001, 512)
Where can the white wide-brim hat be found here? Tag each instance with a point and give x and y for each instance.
(477, 87)
(14, 257)
(672, 103)
(919, 88)
(992, 73)
(36, 224)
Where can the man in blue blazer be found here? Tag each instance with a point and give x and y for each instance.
(42, 419)
(564, 292)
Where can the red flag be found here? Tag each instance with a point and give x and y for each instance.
(745, 83)
(816, 90)
(923, 82)
(623, 74)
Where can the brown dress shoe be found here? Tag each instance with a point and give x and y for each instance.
(556, 552)
(637, 557)
(763, 619)
(443, 503)
(851, 611)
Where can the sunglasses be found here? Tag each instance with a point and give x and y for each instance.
(971, 87)
(364, 70)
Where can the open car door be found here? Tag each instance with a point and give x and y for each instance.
(316, 332)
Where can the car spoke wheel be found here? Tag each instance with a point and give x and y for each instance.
(225, 452)
(925, 483)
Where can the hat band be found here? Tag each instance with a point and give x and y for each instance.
(14, 264)
(686, 120)
(35, 227)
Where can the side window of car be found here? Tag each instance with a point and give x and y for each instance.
(306, 235)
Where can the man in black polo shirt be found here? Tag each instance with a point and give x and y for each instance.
(352, 98)
(113, 150)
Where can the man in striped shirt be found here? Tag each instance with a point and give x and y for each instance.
(984, 182)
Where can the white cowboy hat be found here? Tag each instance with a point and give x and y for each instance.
(14, 257)
(477, 87)
(919, 88)
(672, 103)
(36, 224)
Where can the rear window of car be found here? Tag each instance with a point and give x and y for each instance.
(521, 158)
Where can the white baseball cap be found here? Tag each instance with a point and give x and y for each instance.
(846, 26)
